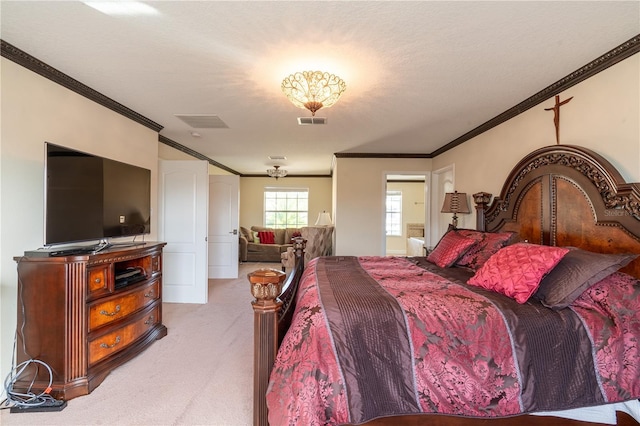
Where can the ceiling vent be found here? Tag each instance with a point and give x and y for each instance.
(203, 121)
(277, 157)
(303, 121)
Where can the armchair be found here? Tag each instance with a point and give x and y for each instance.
(319, 242)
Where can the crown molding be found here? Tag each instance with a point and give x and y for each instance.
(165, 140)
(379, 155)
(254, 175)
(612, 57)
(22, 58)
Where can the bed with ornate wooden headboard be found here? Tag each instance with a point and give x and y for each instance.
(556, 197)
(567, 196)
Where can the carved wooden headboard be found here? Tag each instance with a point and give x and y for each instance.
(565, 195)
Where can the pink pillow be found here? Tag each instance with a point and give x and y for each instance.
(516, 270)
(449, 249)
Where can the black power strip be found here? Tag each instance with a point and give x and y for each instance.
(47, 406)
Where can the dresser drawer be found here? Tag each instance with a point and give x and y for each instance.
(118, 339)
(105, 311)
(98, 279)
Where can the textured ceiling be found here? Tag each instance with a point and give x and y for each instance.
(419, 74)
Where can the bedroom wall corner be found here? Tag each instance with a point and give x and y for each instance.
(35, 110)
(604, 116)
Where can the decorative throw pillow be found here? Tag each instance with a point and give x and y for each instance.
(488, 243)
(246, 234)
(576, 272)
(516, 270)
(449, 249)
(267, 237)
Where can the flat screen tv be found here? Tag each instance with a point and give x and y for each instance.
(88, 197)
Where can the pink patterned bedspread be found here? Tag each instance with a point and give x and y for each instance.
(470, 354)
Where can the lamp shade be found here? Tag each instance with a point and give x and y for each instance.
(455, 202)
(324, 219)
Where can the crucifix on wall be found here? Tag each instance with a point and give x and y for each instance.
(556, 115)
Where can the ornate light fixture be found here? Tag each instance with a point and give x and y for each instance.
(276, 172)
(313, 89)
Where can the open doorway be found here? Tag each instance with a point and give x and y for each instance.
(442, 182)
(406, 211)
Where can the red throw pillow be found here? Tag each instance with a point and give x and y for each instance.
(449, 249)
(267, 237)
(516, 270)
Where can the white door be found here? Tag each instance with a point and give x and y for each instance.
(224, 191)
(183, 192)
(442, 183)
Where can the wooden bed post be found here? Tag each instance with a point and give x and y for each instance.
(266, 285)
(481, 200)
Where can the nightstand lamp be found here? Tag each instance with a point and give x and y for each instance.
(455, 202)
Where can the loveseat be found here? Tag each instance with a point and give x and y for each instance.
(251, 249)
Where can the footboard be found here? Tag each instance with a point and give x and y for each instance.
(273, 308)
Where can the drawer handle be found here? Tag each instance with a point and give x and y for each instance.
(150, 294)
(110, 314)
(97, 280)
(149, 320)
(105, 346)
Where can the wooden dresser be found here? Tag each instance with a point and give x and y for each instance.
(84, 315)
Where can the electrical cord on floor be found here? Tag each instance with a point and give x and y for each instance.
(28, 398)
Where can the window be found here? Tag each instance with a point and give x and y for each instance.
(286, 207)
(394, 213)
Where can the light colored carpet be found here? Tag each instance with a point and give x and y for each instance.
(201, 373)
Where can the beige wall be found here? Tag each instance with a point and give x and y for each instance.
(604, 116)
(35, 110)
(412, 212)
(360, 201)
(252, 196)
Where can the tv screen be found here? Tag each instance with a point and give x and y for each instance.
(93, 198)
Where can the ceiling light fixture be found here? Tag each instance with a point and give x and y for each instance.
(122, 7)
(276, 172)
(313, 89)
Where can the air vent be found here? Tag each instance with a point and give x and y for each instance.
(303, 121)
(203, 121)
(277, 157)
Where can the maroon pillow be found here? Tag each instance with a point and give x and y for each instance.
(449, 249)
(488, 243)
(516, 270)
(575, 273)
(267, 237)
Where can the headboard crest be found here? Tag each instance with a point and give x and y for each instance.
(620, 199)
